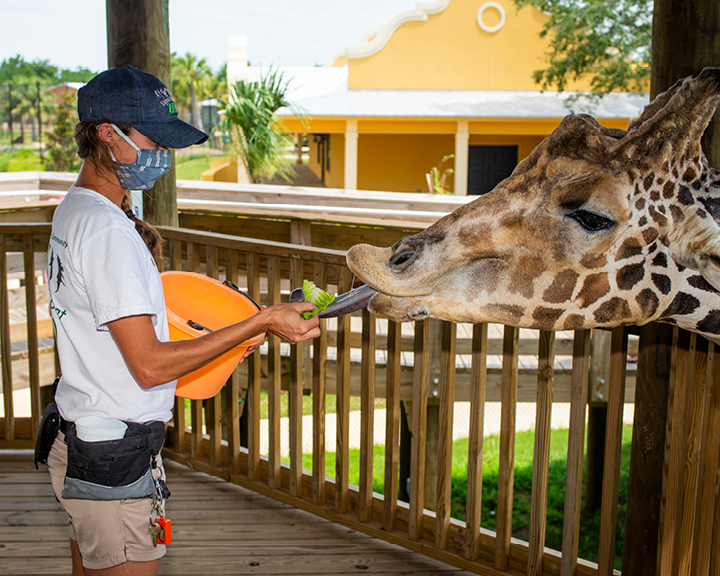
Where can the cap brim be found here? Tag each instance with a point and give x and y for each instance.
(174, 134)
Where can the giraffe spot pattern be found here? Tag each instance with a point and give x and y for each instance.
(594, 287)
(631, 247)
(655, 195)
(683, 303)
(701, 213)
(648, 301)
(545, 318)
(662, 282)
(650, 235)
(660, 260)
(677, 214)
(657, 217)
(640, 203)
(685, 197)
(648, 182)
(630, 275)
(574, 322)
(562, 287)
(701, 284)
(528, 270)
(614, 310)
(668, 190)
(507, 313)
(711, 323)
(689, 174)
(642, 221)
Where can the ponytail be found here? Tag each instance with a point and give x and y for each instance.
(148, 233)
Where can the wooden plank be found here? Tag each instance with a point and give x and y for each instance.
(708, 493)
(541, 455)
(674, 452)
(392, 426)
(274, 375)
(613, 451)
(418, 427)
(213, 411)
(5, 359)
(254, 376)
(295, 398)
(319, 382)
(447, 401)
(32, 333)
(576, 443)
(694, 417)
(232, 388)
(475, 441)
(506, 468)
(342, 391)
(367, 417)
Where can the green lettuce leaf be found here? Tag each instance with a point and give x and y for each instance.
(318, 297)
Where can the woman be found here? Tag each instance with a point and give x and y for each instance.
(109, 311)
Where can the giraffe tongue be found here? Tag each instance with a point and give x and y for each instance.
(349, 302)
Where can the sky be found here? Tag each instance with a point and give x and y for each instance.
(72, 33)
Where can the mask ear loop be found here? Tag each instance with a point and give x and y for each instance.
(124, 137)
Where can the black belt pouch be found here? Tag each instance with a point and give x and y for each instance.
(113, 469)
(49, 426)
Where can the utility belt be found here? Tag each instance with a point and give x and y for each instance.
(108, 469)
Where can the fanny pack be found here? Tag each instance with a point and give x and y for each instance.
(114, 469)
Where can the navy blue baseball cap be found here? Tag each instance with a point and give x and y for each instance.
(127, 95)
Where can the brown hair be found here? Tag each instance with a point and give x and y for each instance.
(89, 146)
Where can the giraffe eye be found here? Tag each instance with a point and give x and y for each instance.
(591, 221)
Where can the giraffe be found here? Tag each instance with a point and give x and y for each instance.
(597, 227)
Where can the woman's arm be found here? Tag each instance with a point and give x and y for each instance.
(152, 362)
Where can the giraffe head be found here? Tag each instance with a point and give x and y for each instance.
(598, 227)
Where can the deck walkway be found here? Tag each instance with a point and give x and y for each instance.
(218, 528)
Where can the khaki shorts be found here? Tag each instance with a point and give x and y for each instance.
(108, 532)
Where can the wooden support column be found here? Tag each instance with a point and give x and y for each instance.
(138, 34)
(351, 155)
(462, 151)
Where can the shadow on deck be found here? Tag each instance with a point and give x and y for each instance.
(218, 528)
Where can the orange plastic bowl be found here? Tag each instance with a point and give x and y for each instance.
(205, 301)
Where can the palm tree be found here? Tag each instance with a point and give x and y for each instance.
(255, 132)
(190, 82)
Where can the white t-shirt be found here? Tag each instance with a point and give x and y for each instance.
(100, 270)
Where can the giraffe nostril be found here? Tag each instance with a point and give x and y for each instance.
(401, 258)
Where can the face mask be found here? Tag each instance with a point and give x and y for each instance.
(148, 167)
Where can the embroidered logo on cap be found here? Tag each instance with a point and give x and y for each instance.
(163, 95)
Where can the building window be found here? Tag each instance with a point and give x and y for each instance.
(488, 166)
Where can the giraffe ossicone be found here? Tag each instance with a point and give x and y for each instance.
(597, 227)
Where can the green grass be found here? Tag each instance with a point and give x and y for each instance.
(20, 160)
(191, 166)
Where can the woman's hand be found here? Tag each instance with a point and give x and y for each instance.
(286, 322)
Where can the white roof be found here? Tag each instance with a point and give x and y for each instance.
(306, 81)
(466, 104)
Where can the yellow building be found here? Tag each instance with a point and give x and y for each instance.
(453, 77)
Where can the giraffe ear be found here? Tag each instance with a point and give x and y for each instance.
(673, 123)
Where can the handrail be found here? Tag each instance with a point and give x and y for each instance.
(222, 436)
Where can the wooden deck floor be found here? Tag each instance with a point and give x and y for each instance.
(218, 528)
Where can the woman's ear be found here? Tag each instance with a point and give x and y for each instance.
(106, 133)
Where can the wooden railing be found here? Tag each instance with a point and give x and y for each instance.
(222, 436)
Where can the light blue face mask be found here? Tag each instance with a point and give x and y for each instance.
(147, 169)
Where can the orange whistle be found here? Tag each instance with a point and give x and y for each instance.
(165, 536)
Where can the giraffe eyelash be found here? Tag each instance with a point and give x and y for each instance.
(592, 221)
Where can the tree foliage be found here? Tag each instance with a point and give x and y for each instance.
(257, 135)
(191, 83)
(61, 150)
(604, 41)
